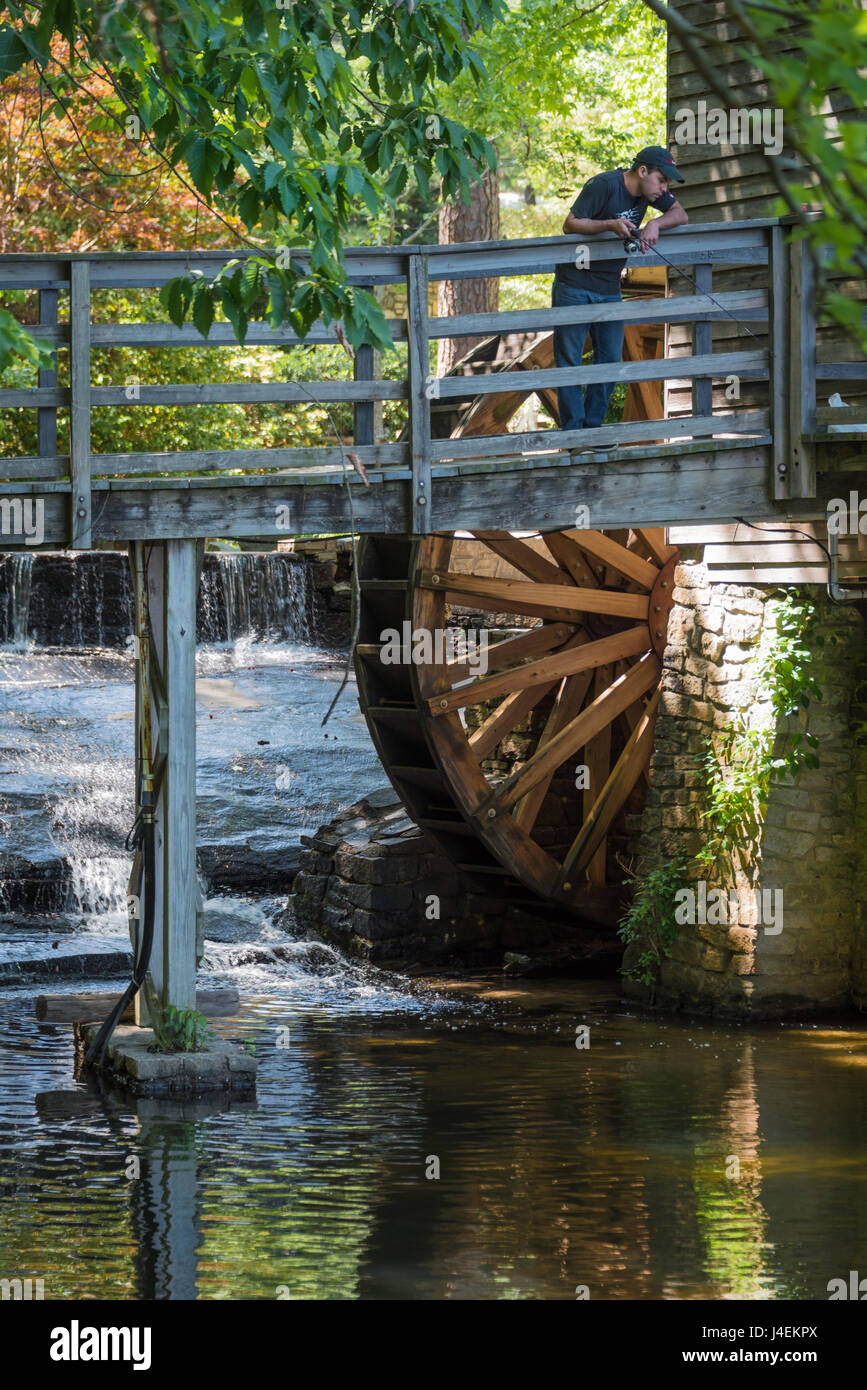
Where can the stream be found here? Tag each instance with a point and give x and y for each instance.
(432, 1138)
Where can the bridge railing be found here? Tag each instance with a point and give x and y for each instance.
(776, 344)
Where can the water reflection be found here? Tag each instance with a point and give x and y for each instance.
(610, 1168)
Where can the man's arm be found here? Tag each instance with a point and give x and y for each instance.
(589, 226)
(676, 216)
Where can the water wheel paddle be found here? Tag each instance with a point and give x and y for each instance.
(523, 774)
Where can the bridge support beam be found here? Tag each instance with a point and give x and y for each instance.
(166, 581)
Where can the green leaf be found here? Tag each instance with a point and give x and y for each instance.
(13, 53)
(203, 309)
(175, 297)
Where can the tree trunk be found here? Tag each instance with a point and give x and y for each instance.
(478, 220)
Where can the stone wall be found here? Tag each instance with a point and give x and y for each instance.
(377, 887)
(812, 844)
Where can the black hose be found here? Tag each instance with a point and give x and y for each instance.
(95, 1052)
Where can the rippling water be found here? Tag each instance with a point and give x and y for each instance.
(558, 1167)
(442, 1140)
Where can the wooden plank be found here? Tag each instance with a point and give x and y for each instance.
(715, 366)
(259, 334)
(654, 539)
(779, 360)
(841, 415)
(624, 692)
(568, 704)
(611, 553)
(610, 799)
(597, 756)
(571, 558)
(249, 393)
(363, 371)
(626, 435)
(79, 411)
(702, 387)
(229, 460)
(524, 558)
(498, 594)
(582, 655)
(683, 309)
(802, 382)
(502, 654)
(74, 1008)
(504, 719)
(47, 378)
(420, 388)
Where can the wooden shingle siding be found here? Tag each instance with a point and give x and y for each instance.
(734, 183)
(740, 554)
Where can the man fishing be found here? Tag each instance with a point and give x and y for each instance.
(615, 201)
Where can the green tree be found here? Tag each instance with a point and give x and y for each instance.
(289, 116)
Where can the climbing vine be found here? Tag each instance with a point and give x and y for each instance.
(737, 770)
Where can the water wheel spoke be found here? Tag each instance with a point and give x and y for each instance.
(570, 698)
(654, 539)
(571, 558)
(522, 557)
(540, 639)
(578, 655)
(623, 692)
(597, 757)
(505, 718)
(543, 600)
(617, 557)
(610, 800)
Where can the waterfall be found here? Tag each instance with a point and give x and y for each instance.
(16, 571)
(264, 597)
(86, 600)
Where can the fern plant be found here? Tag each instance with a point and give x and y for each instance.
(175, 1030)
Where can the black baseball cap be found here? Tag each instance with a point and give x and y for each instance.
(661, 159)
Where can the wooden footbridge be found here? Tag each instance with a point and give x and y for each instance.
(591, 570)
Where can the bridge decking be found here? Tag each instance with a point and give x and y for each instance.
(710, 465)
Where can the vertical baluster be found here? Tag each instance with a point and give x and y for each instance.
(778, 359)
(79, 413)
(702, 387)
(419, 400)
(47, 414)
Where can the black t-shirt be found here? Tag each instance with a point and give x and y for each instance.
(603, 197)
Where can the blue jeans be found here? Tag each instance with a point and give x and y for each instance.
(578, 411)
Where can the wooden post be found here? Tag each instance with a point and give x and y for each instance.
(778, 361)
(47, 414)
(802, 372)
(702, 387)
(421, 388)
(79, 413)
(171, 588)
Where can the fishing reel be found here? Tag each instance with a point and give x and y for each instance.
(632, 245)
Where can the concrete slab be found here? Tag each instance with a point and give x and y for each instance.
(222, 1066)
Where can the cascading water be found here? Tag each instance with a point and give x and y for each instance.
(16, 571)
(263, 597)
(267, 771)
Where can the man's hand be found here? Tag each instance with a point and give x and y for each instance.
(622, 227)
(650, 234)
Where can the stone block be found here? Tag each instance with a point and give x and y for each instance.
(713, 960)
(385, 897)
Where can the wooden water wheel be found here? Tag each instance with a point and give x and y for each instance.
(525, 775)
